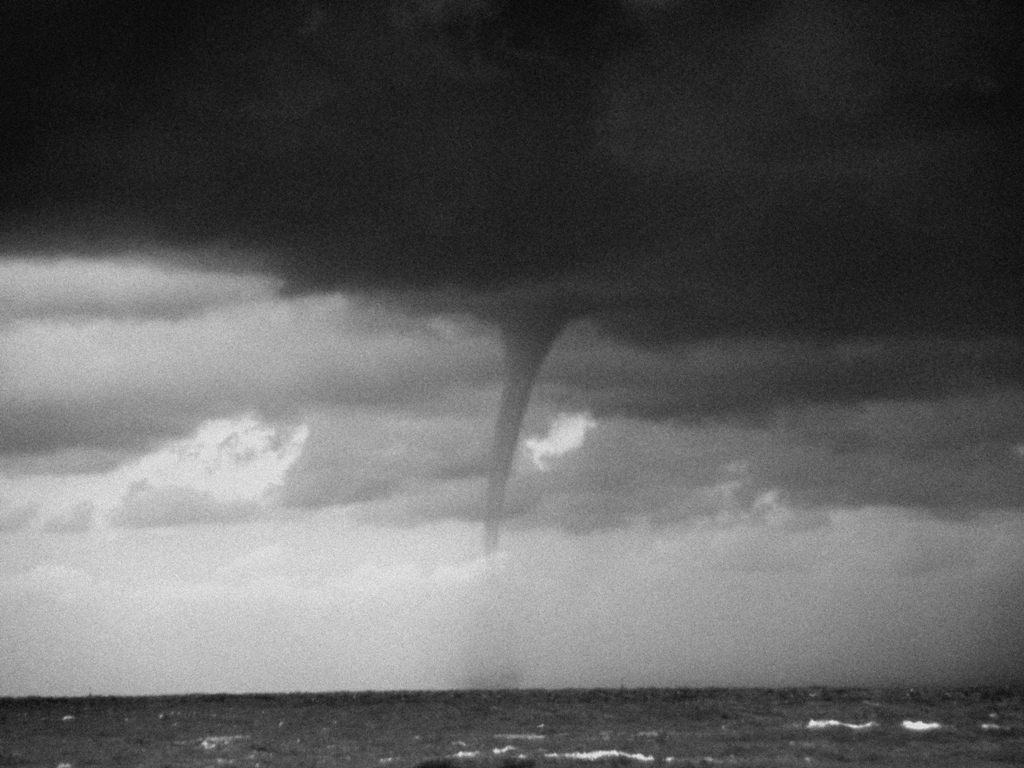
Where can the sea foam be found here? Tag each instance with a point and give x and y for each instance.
(840, 724)
(600, 754)
(920, 725)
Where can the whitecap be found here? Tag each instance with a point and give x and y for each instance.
(920, 725)
(600, 754)
(528, 736)
(840, 724)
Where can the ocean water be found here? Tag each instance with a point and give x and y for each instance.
(464, 729)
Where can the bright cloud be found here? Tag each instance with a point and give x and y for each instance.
(567, 433)
(229, 459)
(229, 468)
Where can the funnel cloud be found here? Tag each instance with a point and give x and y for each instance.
(527, 339)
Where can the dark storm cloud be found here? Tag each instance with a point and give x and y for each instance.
(741, 168)
(953, 482)
(113, 425)
(957, 457)
(751, 380)
(955, 465)
(362, 456)
(953, 456)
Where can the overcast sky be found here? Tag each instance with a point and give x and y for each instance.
(259, 264)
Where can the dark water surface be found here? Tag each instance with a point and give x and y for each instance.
(731, 727)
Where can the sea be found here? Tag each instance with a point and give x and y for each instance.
(521, 728)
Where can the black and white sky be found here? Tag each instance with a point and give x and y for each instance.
(259, 261)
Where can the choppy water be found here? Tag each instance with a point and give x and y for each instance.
(823, 727)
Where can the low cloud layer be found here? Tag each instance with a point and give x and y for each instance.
(866, 598)
(401, 406)
(107, 383)
(150, 286)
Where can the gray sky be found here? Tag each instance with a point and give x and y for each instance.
(256, 269)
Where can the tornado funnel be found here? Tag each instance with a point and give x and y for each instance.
(527, 335)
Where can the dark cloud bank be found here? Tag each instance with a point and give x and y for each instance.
(765, 168)
(832, 192)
